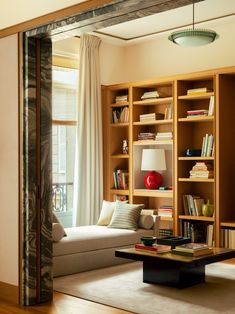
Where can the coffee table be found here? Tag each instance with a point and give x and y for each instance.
(175, 270)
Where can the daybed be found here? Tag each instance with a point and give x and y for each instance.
(90, 247)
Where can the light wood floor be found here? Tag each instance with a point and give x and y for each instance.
(62, 304)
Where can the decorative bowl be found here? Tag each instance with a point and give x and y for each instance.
(148, 240)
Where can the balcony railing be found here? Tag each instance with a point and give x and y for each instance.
(62, 196)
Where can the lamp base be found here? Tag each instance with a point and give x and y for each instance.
(153, 180)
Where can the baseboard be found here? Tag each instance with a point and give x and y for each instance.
(9, 292)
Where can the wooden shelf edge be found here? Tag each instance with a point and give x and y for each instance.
(166, 218)
(152, 142)
(197, 119)
(153, 122)
(121, 104)
(202, 218)
(228, 224)
(119, 192)
(116, 125)
(153, 193)
(196, 96)
(196, 180)
(125, 156)
(195, 158)
(154, 101)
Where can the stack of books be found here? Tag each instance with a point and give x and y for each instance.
(165, 211)
(164, 136)
(120, 179)
(202, 170)
(192, 205)
(153, 249)
(197, 113)
(208, 145)
(149, 95)
(146, 136)
(151, 116)
(200, 90)
(121, 98)
(192, 249)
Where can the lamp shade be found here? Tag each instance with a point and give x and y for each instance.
(193, 37)
(153, 159)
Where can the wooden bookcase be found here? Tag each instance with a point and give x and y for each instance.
(188, 133)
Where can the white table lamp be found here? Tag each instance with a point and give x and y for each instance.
(153, 160)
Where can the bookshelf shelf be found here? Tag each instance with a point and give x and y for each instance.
(230, 224)
(155, 101)
(166, 218)
(119, 125)
(197, 119)
(154, 122)
(153, 193)
(200, 218)
(196, 96)
(125, 156)
(196, 158)
(196, 180)
(119, 192)
(152, 142)
(120, 104)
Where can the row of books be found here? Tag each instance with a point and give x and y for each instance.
(121, 98)
(165, 211)
(150, 95)
(202, 170)
(194, 230)
(152, 116)
(192, 205)
(228, 238)
(168, 112)
(120, 115)
(208, 145)
(120, 179)
(165, 232)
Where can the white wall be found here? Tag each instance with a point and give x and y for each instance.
(9, 160)
(160, 57)
(14, 12)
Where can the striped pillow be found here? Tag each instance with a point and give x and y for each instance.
(126, 216)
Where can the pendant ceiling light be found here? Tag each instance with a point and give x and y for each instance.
(193, 36)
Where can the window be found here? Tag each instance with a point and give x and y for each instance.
(64, 113)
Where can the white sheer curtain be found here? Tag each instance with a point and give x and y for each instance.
(88, 187)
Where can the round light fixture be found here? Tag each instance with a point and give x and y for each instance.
(194, 36)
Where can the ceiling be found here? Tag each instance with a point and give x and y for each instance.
(208, 14)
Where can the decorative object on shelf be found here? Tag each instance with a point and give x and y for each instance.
(193, 36)
(153, 160)
(208, 209)
(191, 152)
(125, 146)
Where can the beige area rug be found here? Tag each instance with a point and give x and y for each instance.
(122, 287)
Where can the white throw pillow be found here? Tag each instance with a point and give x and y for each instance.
(126, 216)
(146, 222)
(106, 213)
(57, 232)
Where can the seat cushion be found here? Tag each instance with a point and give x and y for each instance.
(90, 238)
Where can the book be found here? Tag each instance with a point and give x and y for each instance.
(153, 249)
(211, 106)
(191, 247)
(199, 90)
(193, 254)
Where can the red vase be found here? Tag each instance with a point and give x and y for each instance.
(153, 180)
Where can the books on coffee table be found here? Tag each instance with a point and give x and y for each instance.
(192, 249)
(153, 249)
